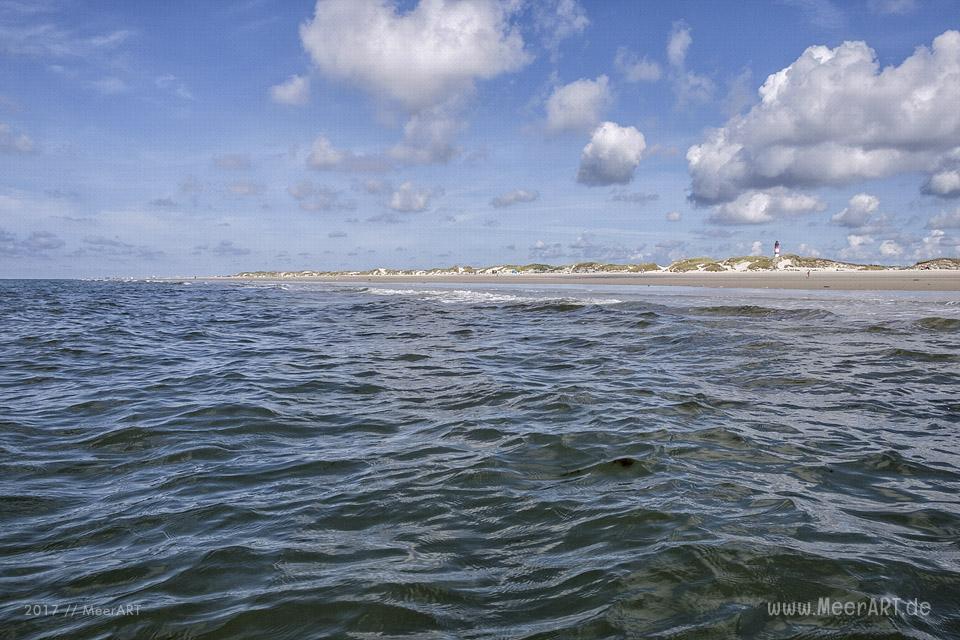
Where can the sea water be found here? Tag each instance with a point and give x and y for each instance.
(299, 460)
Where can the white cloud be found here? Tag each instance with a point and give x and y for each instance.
(756, 249)
(170, 82)
(946, 220)
(945, 184)
(295, 91)
(858, 210)
(578, 106)
(425, 60)
(674, 216)
(558, 20)
(409, 199)
(323, 155)
(14, 142)
(687, 85)
(758, 207)
(611, 156)
(418, 58)
(835, 117)
(890, 249)
(678, 43)
(513, 197)
(547, 251)
(428, 136)
(245, 188)
(936, 244)
(634, 68)
(313, 198)
(45, 40)
(855, 241)
(822, 13)
(892, 7)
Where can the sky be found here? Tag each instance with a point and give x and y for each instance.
(184, 138)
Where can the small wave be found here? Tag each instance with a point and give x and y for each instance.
(921, 356)
(616, 466)
(466, 296)
(935, 323)
(755, 311)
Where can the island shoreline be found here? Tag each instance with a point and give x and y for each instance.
(899, 280)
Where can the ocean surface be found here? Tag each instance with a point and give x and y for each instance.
(229, 460)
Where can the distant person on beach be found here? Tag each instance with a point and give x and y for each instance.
(776, 249)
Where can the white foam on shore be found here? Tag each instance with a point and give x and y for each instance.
(465, 296)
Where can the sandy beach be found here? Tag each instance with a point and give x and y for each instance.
(906, 280)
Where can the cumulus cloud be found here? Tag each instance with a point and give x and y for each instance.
(232, 161)
(294, 91)
(514, 197)
(758, 207)
(946, 220)
(835, 117)
(578, 106)
(635, 68)
(318, 198)
(323, 155)
(674, 216)
(937, 243)
(428, 136)
(890, 249)
(418, 58)
(14, 142)
(425, 60)
(859, 247)
(409, 199)
(858, 210)
(945, 184)
(611, 156)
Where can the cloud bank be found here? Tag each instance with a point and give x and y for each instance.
(835, 117)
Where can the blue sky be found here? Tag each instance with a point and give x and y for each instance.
(195, 138)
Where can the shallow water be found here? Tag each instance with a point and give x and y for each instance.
(316, 461)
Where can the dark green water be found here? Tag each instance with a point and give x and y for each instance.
(312, 461)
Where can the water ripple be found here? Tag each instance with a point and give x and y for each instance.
(319, 461)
